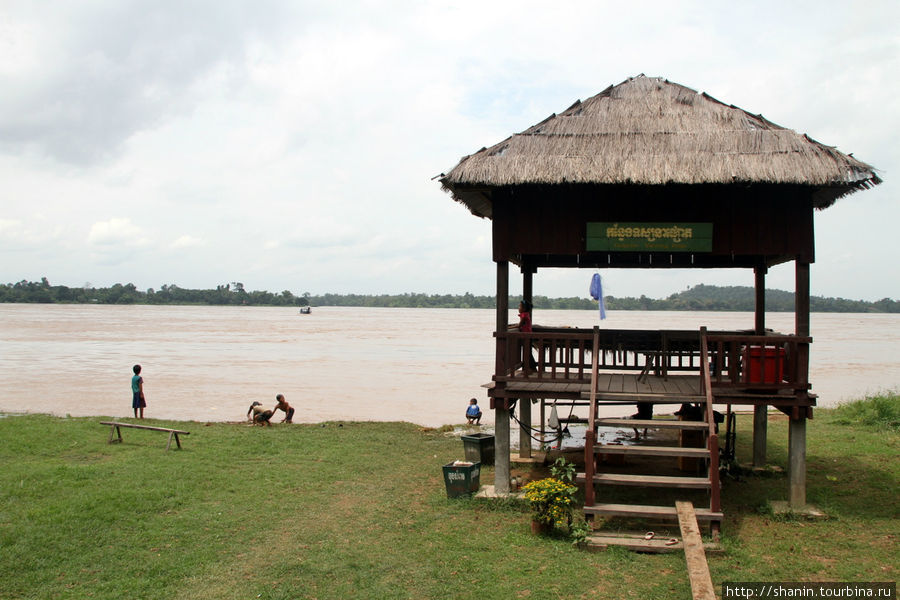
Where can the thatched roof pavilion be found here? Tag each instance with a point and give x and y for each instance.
(652, 174)
(650, 131)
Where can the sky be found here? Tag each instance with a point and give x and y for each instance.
(292, 145)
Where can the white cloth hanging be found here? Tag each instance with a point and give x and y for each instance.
(553, 421)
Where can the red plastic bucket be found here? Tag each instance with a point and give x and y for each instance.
(765, 364)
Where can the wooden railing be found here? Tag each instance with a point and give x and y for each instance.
(567, 353)
(557, 354)
(758, 362)
(736, 360)
(590, 435)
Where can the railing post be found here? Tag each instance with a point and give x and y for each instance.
(715, 500)
(590, 436)
(501, 404)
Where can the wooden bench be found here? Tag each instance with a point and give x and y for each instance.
(115, 428)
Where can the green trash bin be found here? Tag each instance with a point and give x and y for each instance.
(462, 478)
(479, 447)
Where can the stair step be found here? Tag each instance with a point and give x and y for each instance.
(649, 480)
(658, 423)
(651, 450)
(649, 512)
(638, 544)
(658, 398)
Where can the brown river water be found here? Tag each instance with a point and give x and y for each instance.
(206, 363)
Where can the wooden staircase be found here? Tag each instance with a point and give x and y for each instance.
(663, 459)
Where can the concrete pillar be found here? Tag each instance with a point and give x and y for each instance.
(501, 448)
(797, 463)
(760, 432)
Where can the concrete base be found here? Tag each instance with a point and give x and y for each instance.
(536, 458)
(808, 511)
(763, 471)
(488, 491)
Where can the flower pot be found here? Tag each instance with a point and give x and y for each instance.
(539, 527)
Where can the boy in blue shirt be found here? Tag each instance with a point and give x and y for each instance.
(473, 413)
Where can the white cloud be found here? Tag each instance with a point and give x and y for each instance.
(296, 141)
(116, 232)
(186, 241)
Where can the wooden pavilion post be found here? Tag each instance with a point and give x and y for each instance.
(797, 431)
(525, 404)
(760, 288)
(760, 412)
(501, 404)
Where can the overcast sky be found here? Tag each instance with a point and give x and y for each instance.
(291, 145)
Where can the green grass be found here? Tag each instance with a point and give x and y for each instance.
(360, 511)
(881, 411)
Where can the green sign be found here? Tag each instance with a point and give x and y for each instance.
(650, 237)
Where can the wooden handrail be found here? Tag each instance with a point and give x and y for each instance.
(712, 441)
(590, 436)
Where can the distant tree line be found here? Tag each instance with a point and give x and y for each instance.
(699, 297)
(232, 294)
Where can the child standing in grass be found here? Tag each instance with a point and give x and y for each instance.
(138, 403)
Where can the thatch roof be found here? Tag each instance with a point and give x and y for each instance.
(650, 131)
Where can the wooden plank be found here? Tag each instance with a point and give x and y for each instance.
(642, 386)
(603, 380)
(116, 426)
(687, 386)
(629, 384)
(694, 555)
(649, 511)
(652, 480)
(673, 451)
(658, 423)
(657, 385)
(136, 426)
(655, 545)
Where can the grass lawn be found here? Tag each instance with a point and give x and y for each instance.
(359, 510)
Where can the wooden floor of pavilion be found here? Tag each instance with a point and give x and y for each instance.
(628, 388)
